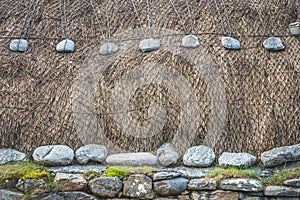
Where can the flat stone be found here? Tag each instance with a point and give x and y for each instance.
(273, 44)
(282, 191)
(236, 159)
(53, 155)
(150, 44)
(167, 155)
(199, 156)
(91, 152)
(138, 186)
(190, 41)
(106, 186)
(244, 196)
(108, 48)
(171, 187)
(9, 195)
(295, 28)
(241, 184)
(292, 182)
(19, 45)
(70, 182)
(31, 185)
(77, 169)
(65, 46)
(165, 175)
(188, 172)
(132, 159)
(11, 155)
(202, 184)
(281, 155)
(65, 196)
(215, 195)
(231, 43)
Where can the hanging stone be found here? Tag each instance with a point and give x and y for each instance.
(18, 45)
(65, 46)
(273, 44)
(108, 48)
(295, 28)
(190, 41)
(150, 44)
(231, 43)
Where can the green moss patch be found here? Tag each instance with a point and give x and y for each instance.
(125, 171)
(231, 172)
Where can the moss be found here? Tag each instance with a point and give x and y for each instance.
(125, 171)
(89, 174)
(36, 174)
(231, 172)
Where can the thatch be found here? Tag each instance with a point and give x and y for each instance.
(262, 88)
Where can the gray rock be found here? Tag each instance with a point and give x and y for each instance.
(295, 28)
(9, 195)
(19, 45)
(108, 48)
(77, 169)
(231, 43)
(70, 182)
(199, 156)
(281, 155)
(132, 159)
(106, 186)
(202, 184)
(190, 41)
(237, 159)
(171, 187)
(215, 195)
(165, 175)
(31, 185)
(150, 44)
(167, 155)
(292, 182)
(241, 184)
(138, 186)
(282, 191)
(187, 172)
(65, 196)
(65, 46)
(273, 44)
(53, 155)
(11, 155)
(91, 152)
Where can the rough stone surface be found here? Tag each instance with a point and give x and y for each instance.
(91, 152)
(171, 187)
(106, 186)
(167, 155)
(188, 172)
(77, 169)
(281, 155)
(292, 182)
(65, 46)
(138, 186)
(108, 48)
(215, 195)
(65, 196)
(11, 155)
(190, 41)
(8, 195)
(70, 182)
(202, 184)
(295, 28)
(132, 159)
(165, 175)
(282, 191)
(199, 156)
(20, 45)
(273, 44)
(231, 43)
(150, 44)
(53, 155)
(30, 184)
(237, 159)
(241, 184)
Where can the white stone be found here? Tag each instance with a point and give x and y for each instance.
(231, 43)
(236, 159)
(167, 155)
(91, 152)
(132, 159)
(65, 46)
(11, 155)
(199, 156)
(282, 191)
(241, 184)
(108, 48)
(190, 41)
(150, 44)
(295, 28)
(273, 44)
(19, 45)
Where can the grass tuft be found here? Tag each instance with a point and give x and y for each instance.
(220, 173)
(125, 171)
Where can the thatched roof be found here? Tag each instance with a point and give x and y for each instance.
(262, 88)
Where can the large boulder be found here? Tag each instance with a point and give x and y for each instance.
(11, 155)
(91, 152)
(199, 156)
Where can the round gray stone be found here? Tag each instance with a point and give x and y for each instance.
(236, 159)
(273, 44)
(167, 155)
(190, 41)
(231, 43)
(91, 152)
(19, 45)
(54, 155)
(108, 48)
(199, 156)
(138, 186)
(150, 44)
(11, 155)
(106, 186)
(65, 46)
(171, 187)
